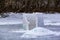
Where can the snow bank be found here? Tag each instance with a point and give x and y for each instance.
(11, 19)
(38, 31)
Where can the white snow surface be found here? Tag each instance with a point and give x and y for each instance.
(12, 19)
(39, 31)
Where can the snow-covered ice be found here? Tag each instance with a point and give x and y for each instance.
(39, 31)
(34, 33)
(11, 19)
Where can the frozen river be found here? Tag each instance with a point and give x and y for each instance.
(6, 34)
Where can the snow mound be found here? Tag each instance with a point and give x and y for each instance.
(38, 31)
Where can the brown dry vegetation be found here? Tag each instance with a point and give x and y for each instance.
(29, 6)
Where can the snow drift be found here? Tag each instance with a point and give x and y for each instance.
(39, 31)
